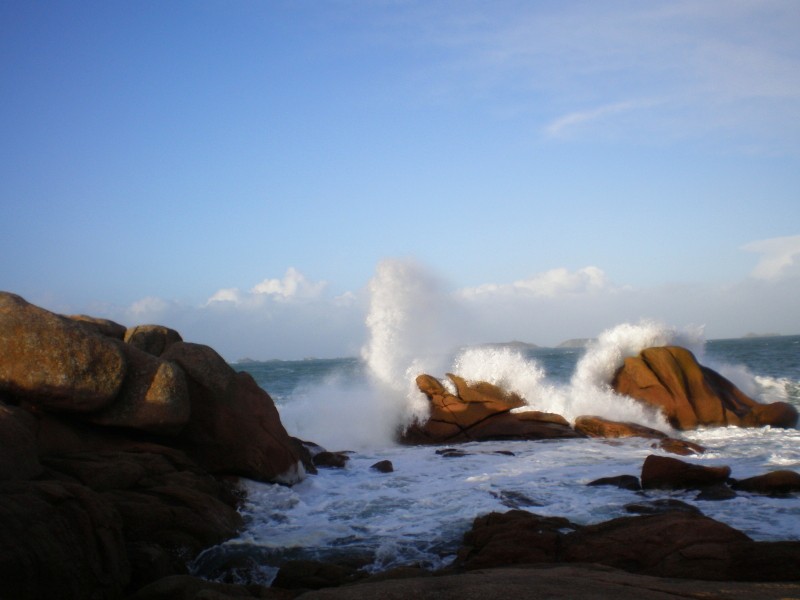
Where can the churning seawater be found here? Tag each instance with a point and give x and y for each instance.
(419, 512)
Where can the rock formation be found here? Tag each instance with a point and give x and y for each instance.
(671, 544)
(109, 443)
(691, 395)
(480, 411)
(663, 472)
(592, 426)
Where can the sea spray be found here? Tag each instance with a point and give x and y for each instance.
(510, 370)
(589, 391)
(590, 387)
(412, 325)
(412, 322)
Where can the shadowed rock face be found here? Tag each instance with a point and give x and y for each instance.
(663, 472)
(691, 395)
(54, 366)
(480, 411)
(107, 450)
(671, 544)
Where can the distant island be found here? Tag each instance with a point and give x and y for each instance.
(576, 343)
(514, 345)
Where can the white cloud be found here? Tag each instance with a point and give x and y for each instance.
(226, 295)
(780, 257)
(552, 283)
(148, 308)
(294, 285)
(413, 312)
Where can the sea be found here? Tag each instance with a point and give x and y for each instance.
(418, 513)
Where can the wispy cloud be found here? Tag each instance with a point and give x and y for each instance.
(712, 66)
(563, 125)
(780, 257)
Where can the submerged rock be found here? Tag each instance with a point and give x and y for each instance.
(331, 460)
(625, 482)
(594, 426)
(383, 466)
(774, 483)
(661, 505)
(690, 395)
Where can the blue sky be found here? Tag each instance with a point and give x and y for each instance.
(240, 170)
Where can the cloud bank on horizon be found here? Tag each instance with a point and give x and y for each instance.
(541, 171)
(292, 317)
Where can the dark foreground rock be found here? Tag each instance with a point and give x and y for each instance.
(691, 395)
(480, 411)
(663, 472)
(774, 483)
(671, 544)
(592, 582)
(116, 456)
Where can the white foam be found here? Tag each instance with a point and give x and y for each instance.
(412, 323)
(419, 512)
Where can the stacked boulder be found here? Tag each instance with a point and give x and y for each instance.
(114, 448)
(691, 395)
(480, 411)
(668, 379)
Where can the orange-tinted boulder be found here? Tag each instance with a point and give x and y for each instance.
(682, 447)
(154, 396)
(105, 327)
(690, 395)
(54, 361)
(479, 411)
(599, 427)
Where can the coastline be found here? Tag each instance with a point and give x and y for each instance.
(122, 447)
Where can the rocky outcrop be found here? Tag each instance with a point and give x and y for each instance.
(592, 426)
(691, 395)
(107, 451)
(663, 472)
(62, 370)
(557, 582)
(480, 411)
(153, 339)
(234, 427)
(55, 360)
(60, 540)
(774, 483)
(671, 544)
